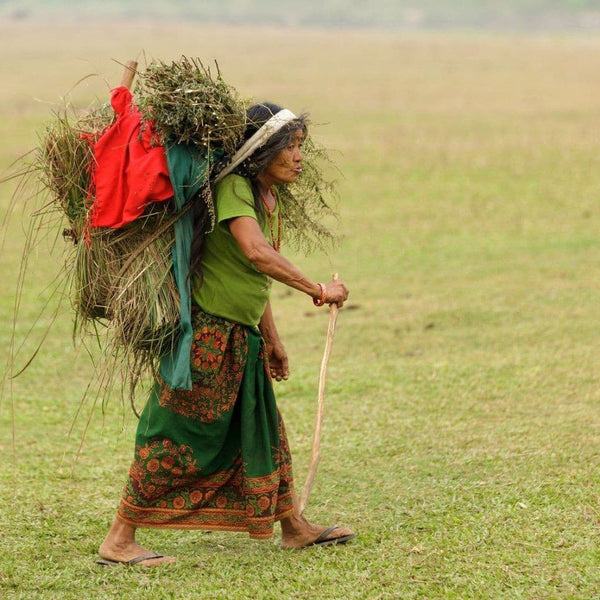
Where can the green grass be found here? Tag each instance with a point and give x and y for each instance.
(461, 432)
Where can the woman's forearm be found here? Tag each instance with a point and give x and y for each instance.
(276, 266)
(261, 254)
(267, 325)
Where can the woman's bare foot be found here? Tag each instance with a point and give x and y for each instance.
(297, 532)
(120, 546)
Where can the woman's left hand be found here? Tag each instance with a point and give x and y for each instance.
(278, 361)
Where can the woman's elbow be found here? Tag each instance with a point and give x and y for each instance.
(258, 256)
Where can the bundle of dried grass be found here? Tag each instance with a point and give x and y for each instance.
(190, 106)
(121, 280)
(121, 275)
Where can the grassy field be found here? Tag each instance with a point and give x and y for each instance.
(462, 426)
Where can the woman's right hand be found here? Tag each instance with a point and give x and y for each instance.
(336, 292)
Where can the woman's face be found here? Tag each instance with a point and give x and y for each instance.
(287, 165)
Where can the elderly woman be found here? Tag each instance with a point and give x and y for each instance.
(216, 457)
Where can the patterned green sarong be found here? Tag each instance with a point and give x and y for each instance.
(216, 456)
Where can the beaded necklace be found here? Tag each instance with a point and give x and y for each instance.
(276, 245)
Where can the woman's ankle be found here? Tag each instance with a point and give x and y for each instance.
(120, 533)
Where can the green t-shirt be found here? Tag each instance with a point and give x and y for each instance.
(232, 287)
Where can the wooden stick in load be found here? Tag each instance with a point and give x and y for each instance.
(129, 73)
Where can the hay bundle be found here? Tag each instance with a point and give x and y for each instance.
(122, 279)
(121, 275)
(190, 106)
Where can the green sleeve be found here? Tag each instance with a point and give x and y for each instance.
(234, 198)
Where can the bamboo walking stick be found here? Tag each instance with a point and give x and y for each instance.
(316, 443)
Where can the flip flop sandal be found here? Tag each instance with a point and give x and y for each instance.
(134, 561)
(325, 540)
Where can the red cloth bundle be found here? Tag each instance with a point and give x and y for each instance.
(130, 169)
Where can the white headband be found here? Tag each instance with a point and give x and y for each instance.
(273, 125)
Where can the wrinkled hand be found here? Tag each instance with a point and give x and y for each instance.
(336, 292)
(278, 361)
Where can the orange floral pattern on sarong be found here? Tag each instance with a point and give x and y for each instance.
(225, 501)
(218, 357)
(161, 466)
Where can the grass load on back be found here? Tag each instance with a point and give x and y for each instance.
(111, 176)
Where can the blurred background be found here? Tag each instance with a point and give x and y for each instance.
(534, 15)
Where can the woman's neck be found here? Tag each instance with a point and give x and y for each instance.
(265, 187)
(265, 183)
